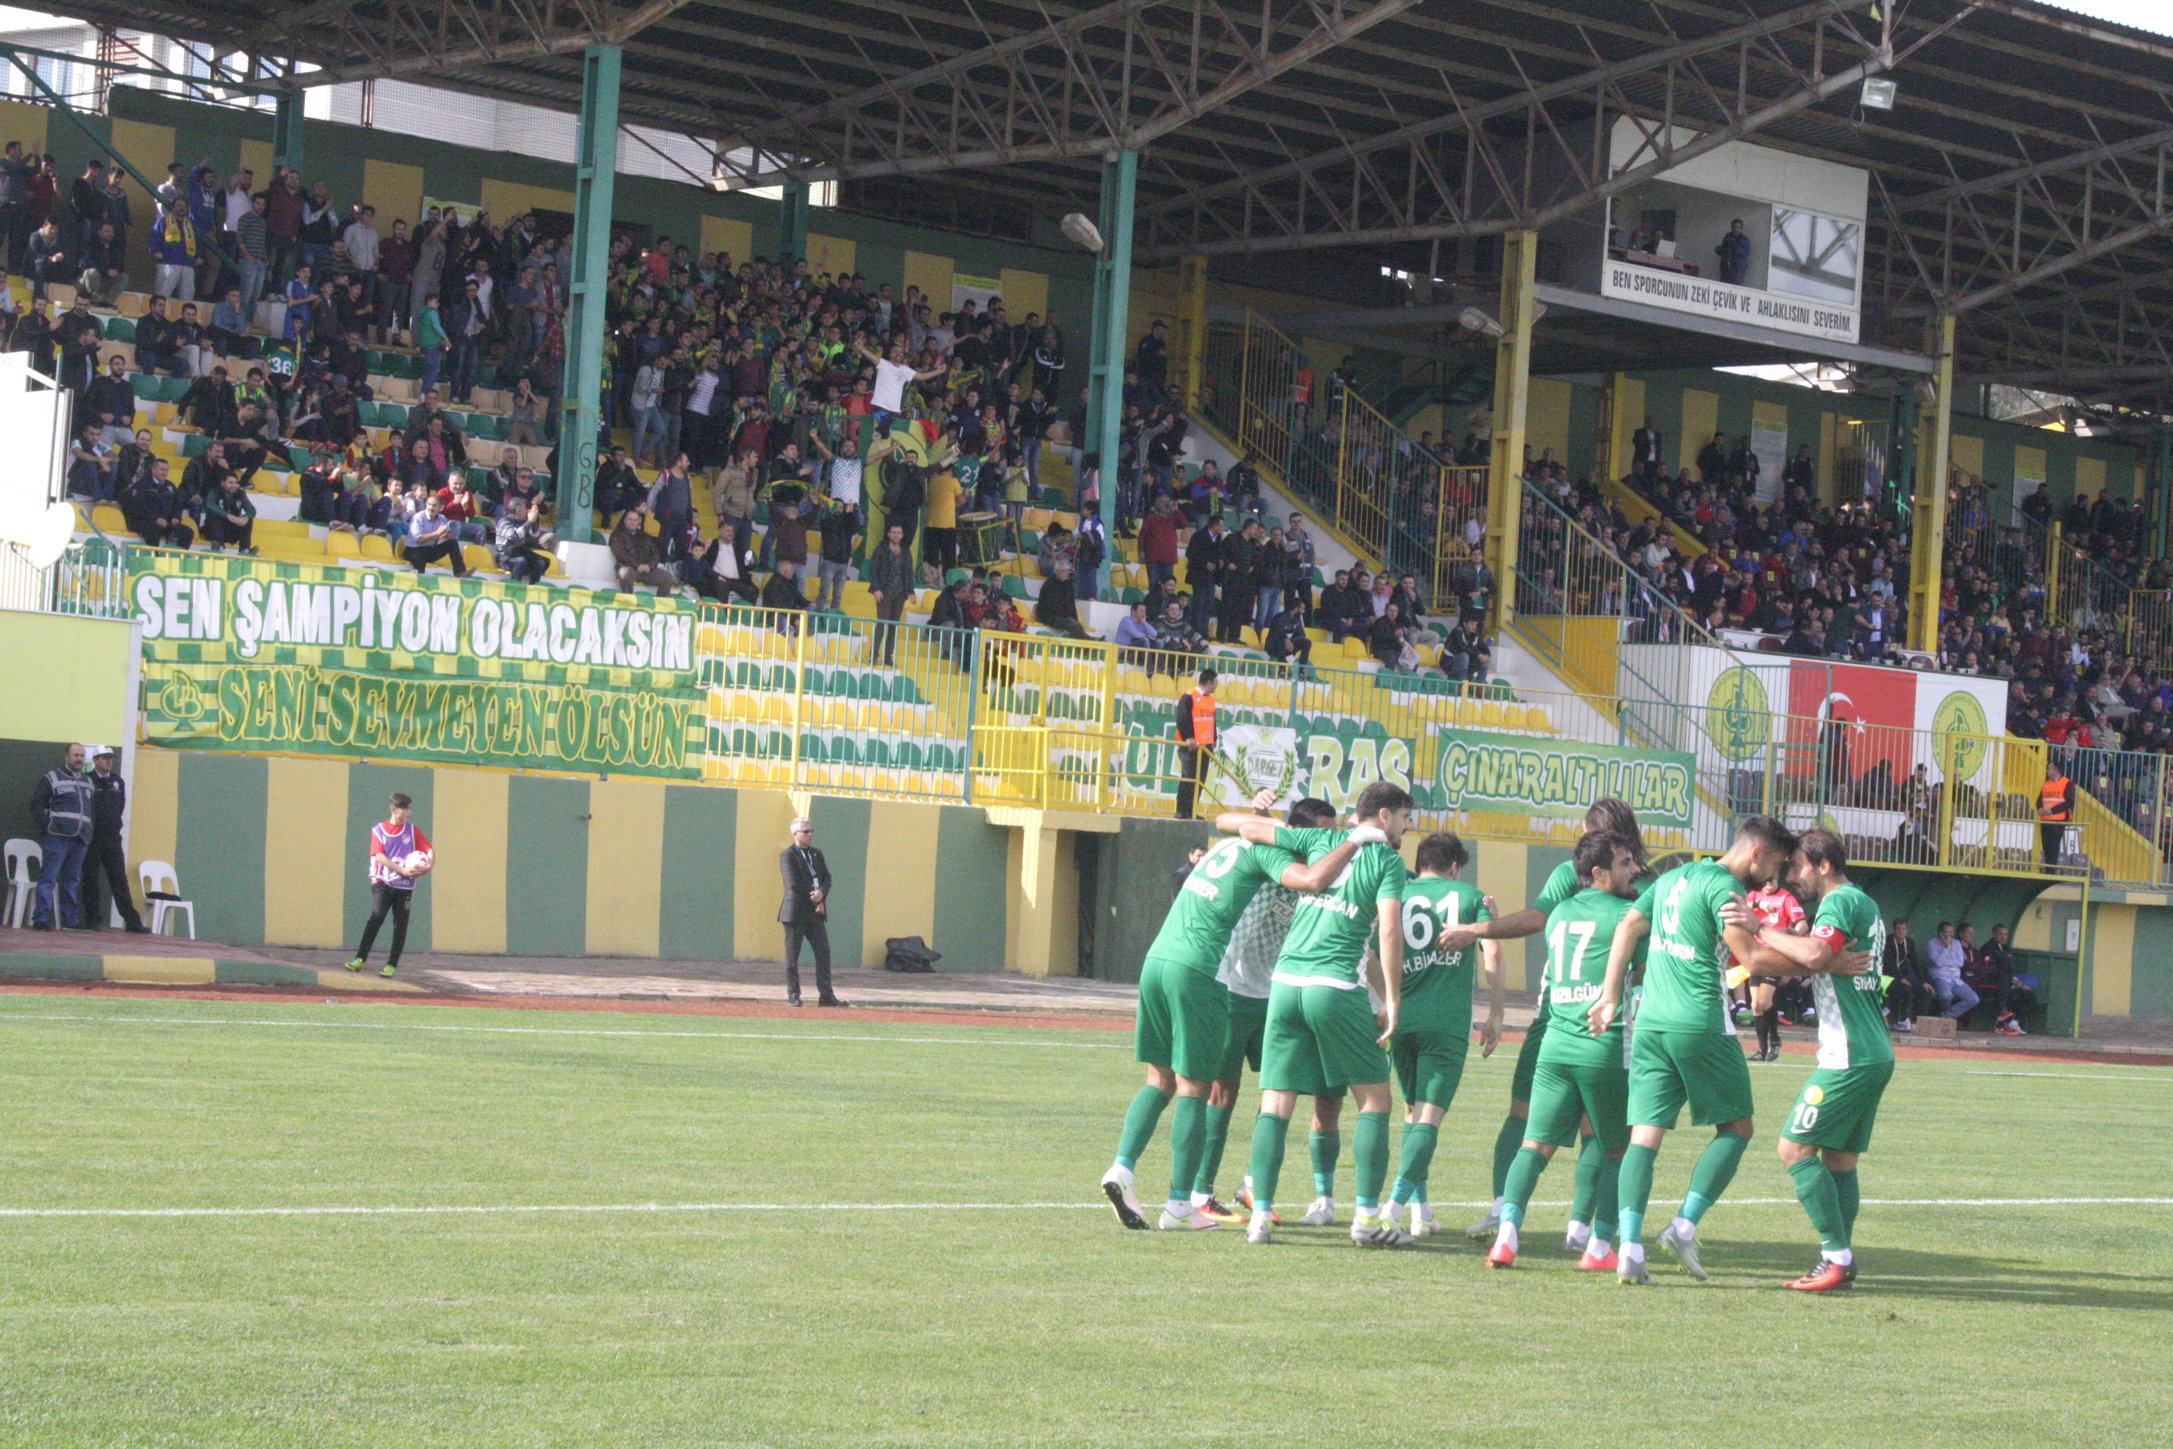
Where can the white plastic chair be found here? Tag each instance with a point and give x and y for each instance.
(23, 858)
(158, 878)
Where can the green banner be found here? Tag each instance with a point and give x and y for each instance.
(1524, 775)
(301, 709)
(257, 656)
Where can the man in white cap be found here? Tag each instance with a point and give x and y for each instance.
(805, 912)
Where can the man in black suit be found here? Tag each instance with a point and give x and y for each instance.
(804, 913)
(1645, 451)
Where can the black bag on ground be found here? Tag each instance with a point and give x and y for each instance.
(908, 953)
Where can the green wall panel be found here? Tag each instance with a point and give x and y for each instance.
(972, 864)
(219, 845)
(369, 792)
(841, 829)
(547, 866)
(2150, 990)
(21, 763)
(699, 826)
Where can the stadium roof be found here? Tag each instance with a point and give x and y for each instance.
(2019, 180)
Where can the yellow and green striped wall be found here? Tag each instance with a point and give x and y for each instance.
(274, 851)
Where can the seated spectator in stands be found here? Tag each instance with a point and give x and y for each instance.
(45, 258)
(301, 299)
(1058, 606)
(618, 487)
(1946, 955)
(403, 506)
(1135, 637)
(91, 462)
(1245, 481)
(227, 336)
(1999, 983)
(418, 467)
(320, 485)
(154, 510)
(1342, 608)
(520, 548)
(229, 516)
(949, 616)
(638, 557)
(132, 464)
(1058, 546)
(104, 266)
(463, 509)
(1174, 634)
(110, 403)
(1286, 641)
(1389, 640)
(209, 406)
(155, 346)
(431, 537)
(782, 593)
(728, 565)
(1467, 656)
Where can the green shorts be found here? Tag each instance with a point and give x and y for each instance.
(1837, 1107)
(1320, 1040)
(1565, 1092)
(1535, 1036)
(1705, 1069)
(1183, 1015)
(1242, 1037)
(1428, 1065)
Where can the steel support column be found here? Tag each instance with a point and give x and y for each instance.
(792, 224)
(287, 131)
(1928, 517)
(1192, 327)
(581, 419)
(1107, 331)
(1512, 389)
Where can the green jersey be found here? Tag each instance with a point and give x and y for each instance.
(1685, 957)
(1436, 983)
(1206, 910)
(1579, 934)
(1561, 885)
(1851, 1015)
(1328, 935)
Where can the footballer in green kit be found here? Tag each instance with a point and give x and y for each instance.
(1433, 1028)
(1830, 1126)
(1581, 1076)
(1323, 1034)
(1183, 1014)
(1682, 1052)
(1613, 817)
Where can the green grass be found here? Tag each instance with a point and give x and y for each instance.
(1988, 1324)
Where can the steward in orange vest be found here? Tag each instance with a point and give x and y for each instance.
(1195, 740)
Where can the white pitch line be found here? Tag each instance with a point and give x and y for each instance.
(808, 1036)
(2162, 1081)
(497, 1209)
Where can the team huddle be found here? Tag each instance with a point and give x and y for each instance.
(1314, 954)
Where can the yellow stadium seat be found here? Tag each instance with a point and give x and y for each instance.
(1490, 715)
(1535, 720)
(1512, 716)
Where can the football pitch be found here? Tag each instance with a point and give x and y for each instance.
(271, 1223)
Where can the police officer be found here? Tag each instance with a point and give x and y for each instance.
(109, 808)
(62, 803)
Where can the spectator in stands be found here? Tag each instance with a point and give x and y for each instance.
(781, 593)
(155, 511)
(1734, 254)
(728, 566)
(430, 336)
(1158, 544)
(463, 509)
(529, 414)
(1174, 633)
(110, 403)
(1207, 560)
(671, 502)
(1135, 637)
(1946, 955)
(15, 172)
(229, 516)
(431, 538)
(839, 527)
(102, 266)
(1058, 606)
(638, 557)
(1389, 640)
(173, 249)
(890, 580)
(1342, 607)
(90, 465)
(2008, 991)
(522, 550)
(79, 337)
(46, 258)
(1467, 656)
(786, 542)
(1285, 640)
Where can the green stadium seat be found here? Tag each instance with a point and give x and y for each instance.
(173, 389)
(117, 329)
(906, 755)
(195, 445)
(391, 415)
(875, 750)
(146, 386)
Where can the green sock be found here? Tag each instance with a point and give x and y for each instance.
(1187, 1140)
(1605, 1192)
(1523, 1178)
(1411, 1164)
(1821, 1202)
(1633, 1192)
(1325, 1147)
(1714, 1171)
(1851, 1195)
(1369, 1154)
(1218, 1137)
(1506, 1143)
(1586, 1196)
(1268, 1137)
(1139, 1120)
